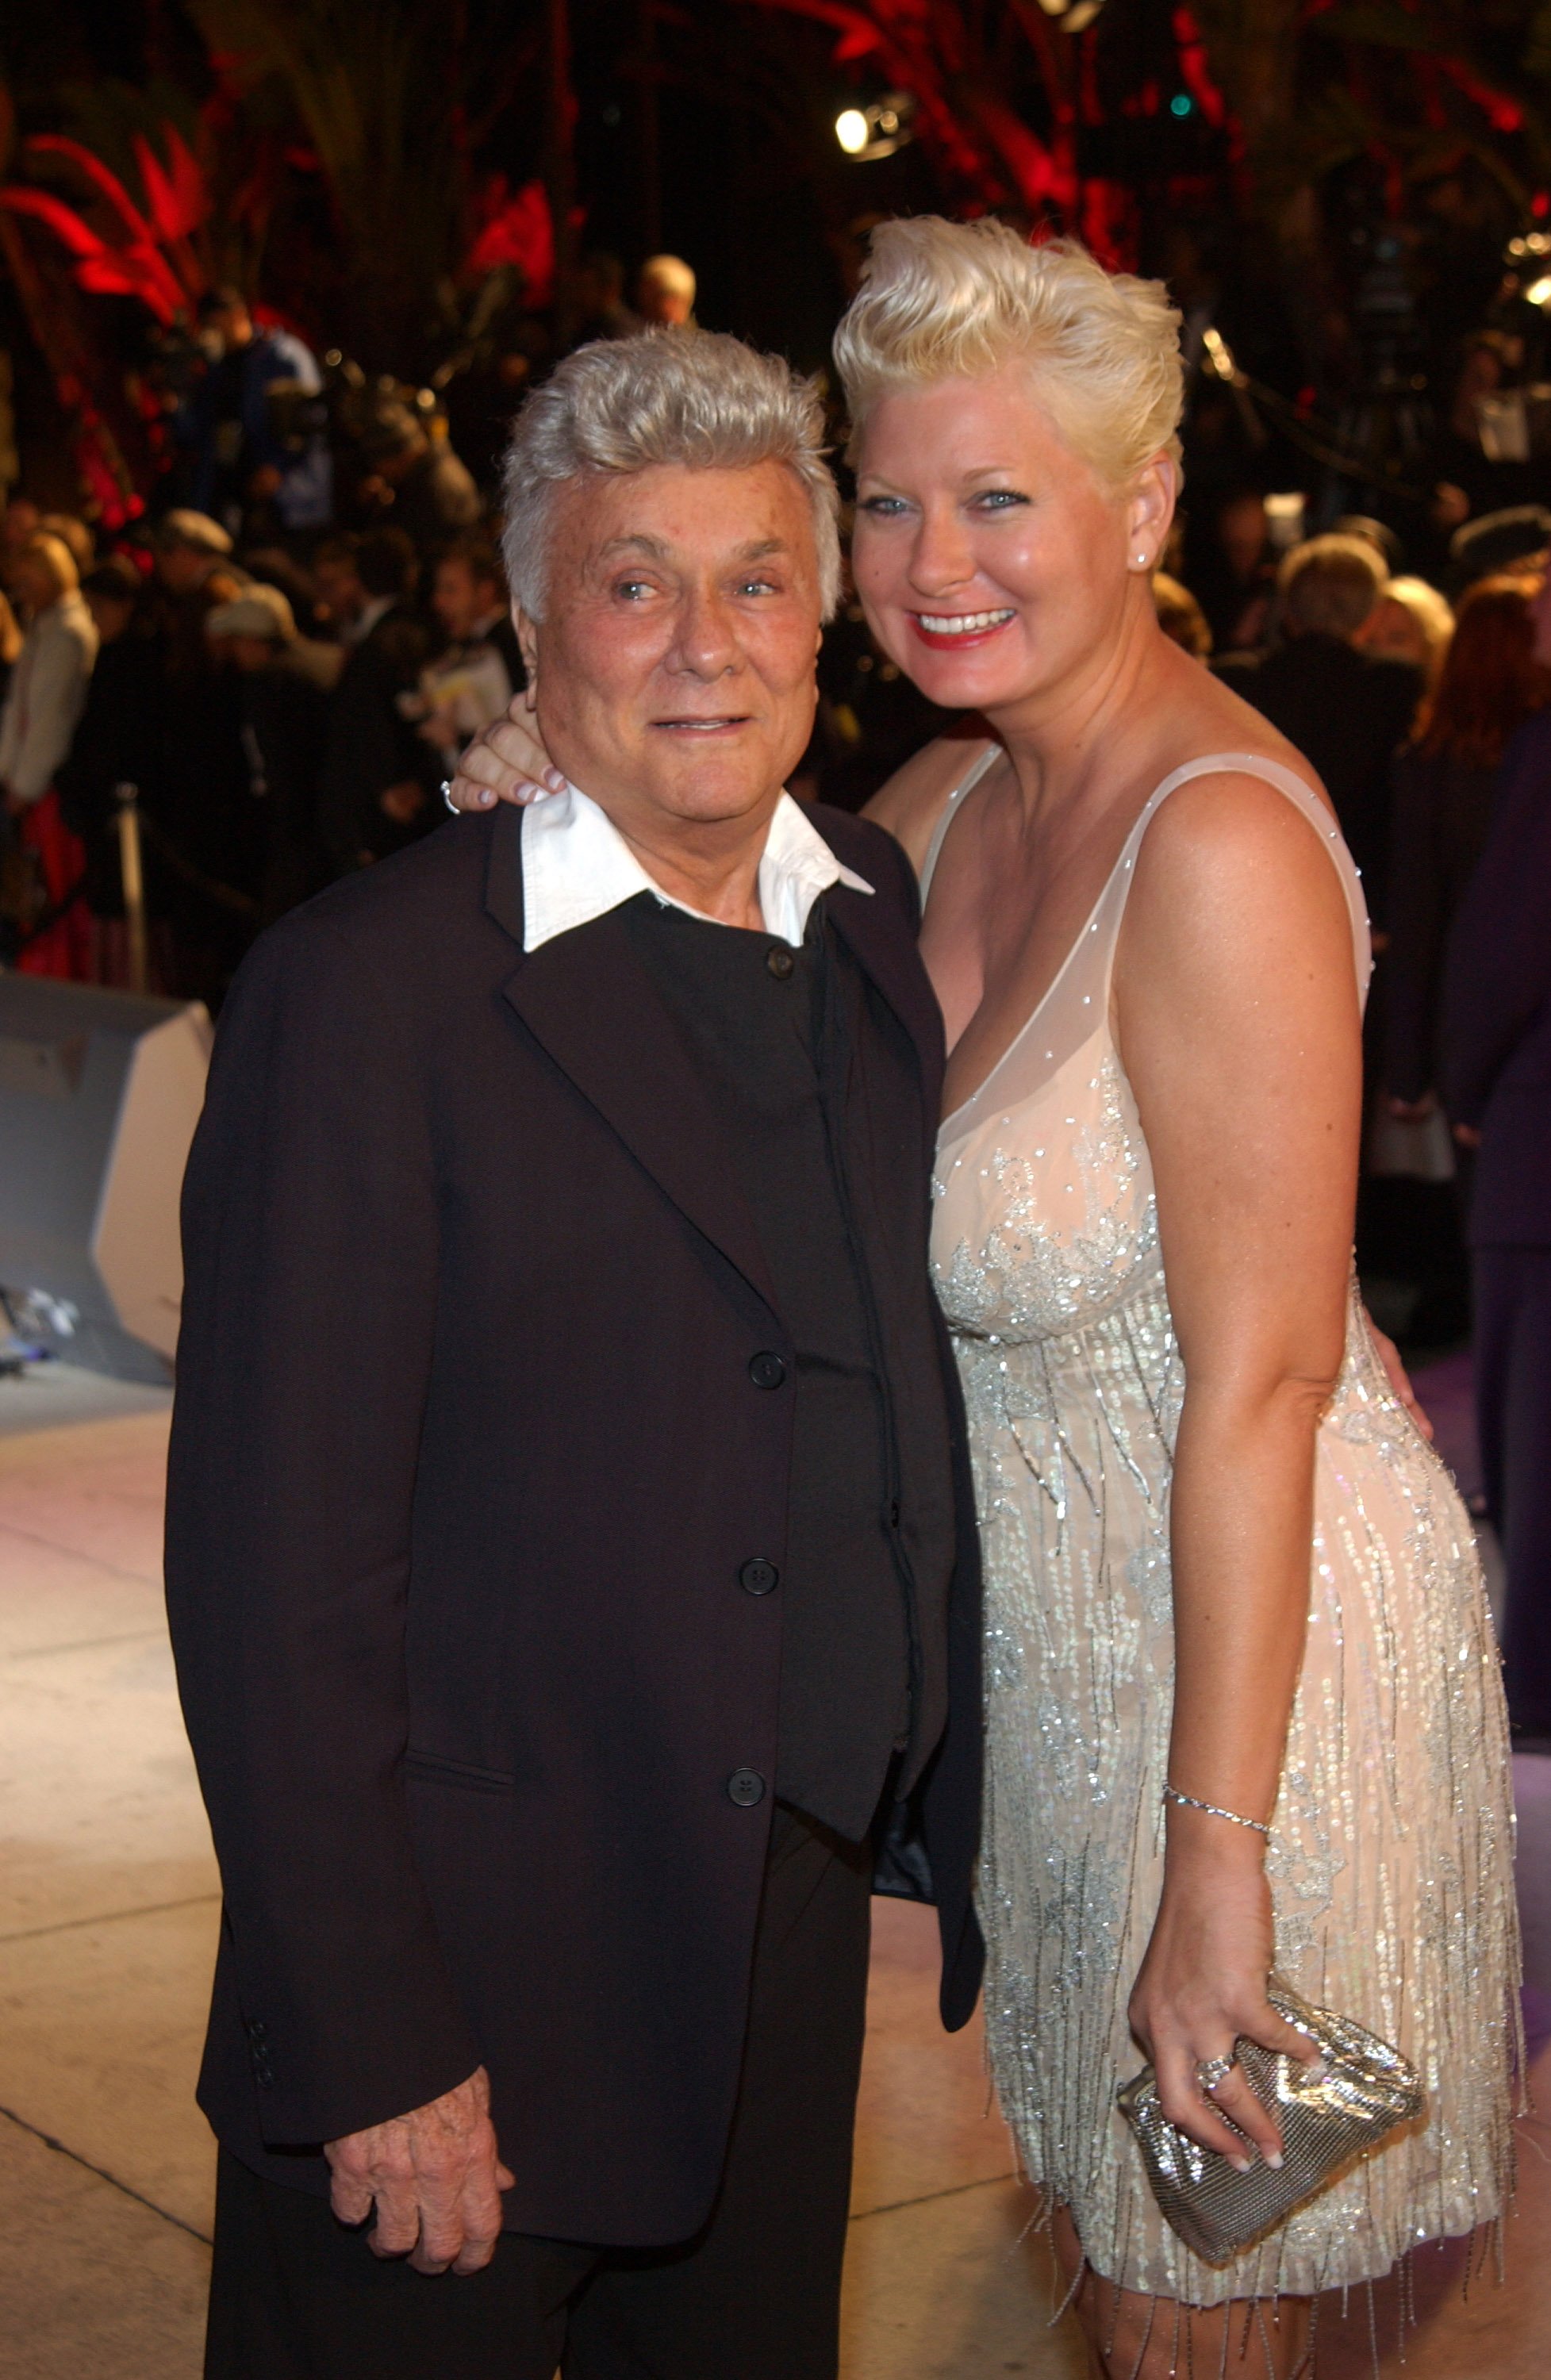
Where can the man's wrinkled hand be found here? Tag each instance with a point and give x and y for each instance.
(434, 2177)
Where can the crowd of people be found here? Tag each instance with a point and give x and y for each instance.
(282, 665)
(1406, 704)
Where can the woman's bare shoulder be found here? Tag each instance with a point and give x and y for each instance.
(911, 803)
(1230, 841)
(1229, 868)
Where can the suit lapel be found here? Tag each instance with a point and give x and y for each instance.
(587, 1000)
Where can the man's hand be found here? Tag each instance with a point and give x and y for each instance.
(434, 2177)
(1399, 1378)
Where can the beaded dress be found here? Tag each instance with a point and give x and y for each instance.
(1391, 1857)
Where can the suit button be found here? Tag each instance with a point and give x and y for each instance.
(759, 1575)
(766, 1371)
(781, 961)
(745, 1787)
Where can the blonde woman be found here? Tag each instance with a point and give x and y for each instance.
(1410, 622)
(44, 701)
(1242, 1701)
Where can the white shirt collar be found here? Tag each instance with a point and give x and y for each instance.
(577, 866)
(359, 629)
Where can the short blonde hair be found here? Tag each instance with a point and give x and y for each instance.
(696, 398)
(55, 558)
(1433, 613)
(943, 300)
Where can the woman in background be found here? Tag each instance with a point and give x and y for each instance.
(43, 700)
(1410, 622)
(1180, 617)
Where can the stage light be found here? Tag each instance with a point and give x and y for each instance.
(1181, 103)
(877, 131)
(1219, 355)
(1539, 292)
(1075, 15)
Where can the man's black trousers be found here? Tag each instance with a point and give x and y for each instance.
(297, 2296)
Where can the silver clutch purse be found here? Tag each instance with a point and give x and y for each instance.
(1328, 2113)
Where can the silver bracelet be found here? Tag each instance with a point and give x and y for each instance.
(1189, 1801)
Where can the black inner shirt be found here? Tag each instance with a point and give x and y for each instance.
(766, 1032)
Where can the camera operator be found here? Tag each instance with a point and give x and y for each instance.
(414, 474)
(244, 472)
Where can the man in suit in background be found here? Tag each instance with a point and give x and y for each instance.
(570, 1552)
(378, 777)
(1496, 1088)
(1348, 712)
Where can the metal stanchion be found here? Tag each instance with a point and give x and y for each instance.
(128, 798)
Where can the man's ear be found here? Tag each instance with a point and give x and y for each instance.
(527, 641)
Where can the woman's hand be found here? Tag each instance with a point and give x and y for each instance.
(1399, 1378)
(507, 764)
(1203, 1984)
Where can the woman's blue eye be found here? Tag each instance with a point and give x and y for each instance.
(1000, 499)
(886, 506)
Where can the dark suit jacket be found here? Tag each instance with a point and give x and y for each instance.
(1348, 712)
(1496, 1006)
(369, 746)
(1442, 808)
(466, 1457)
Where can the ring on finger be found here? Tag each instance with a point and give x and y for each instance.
(448, 795)
(1213, 2071)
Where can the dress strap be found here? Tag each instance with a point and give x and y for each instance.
(1303, 795)
(949, 812)
(1076, 1004)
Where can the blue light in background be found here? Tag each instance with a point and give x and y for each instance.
(1181, 103)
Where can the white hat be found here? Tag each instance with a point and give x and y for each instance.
(259, 611)
(186, 526)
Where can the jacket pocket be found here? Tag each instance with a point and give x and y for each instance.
(438, 1770)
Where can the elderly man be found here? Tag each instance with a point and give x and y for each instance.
(568, 1549)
